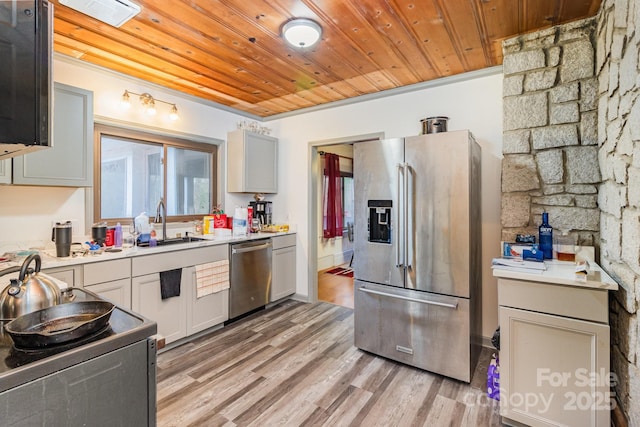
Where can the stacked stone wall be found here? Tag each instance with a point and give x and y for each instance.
(618, 68)
(572, 148)
(550, 133)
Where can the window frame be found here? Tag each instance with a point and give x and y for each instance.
(144, 137)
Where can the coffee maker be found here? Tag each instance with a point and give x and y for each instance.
(262, 211)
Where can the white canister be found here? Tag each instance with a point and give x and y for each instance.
(240, 222)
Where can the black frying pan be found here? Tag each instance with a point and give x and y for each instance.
(59, 324)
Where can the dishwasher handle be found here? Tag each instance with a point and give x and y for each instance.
(251, 248)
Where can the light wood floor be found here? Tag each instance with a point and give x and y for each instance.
(335, 289)
(294, 364)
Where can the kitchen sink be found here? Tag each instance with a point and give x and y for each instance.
(173, 241)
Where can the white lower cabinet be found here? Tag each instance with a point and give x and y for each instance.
(184, 315)
(170, 314)
(111, 280)
(283, 269)
(554, 363)
(71, 275)
(116, 291)
(207, 311)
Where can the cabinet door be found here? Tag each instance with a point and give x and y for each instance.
(5, 171)
(169, 314)
(117, 291)
(283, 273)
(207, 311)
(71, 275)
(251, 162)
(70, 161)
(554, 370)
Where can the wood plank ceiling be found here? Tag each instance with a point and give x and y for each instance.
(231, 51)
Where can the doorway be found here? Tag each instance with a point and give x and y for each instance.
(335, 246)
(321, 263)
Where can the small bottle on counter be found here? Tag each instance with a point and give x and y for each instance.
(545, 237)
(117, 236)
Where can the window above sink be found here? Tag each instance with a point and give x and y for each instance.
(135, 169)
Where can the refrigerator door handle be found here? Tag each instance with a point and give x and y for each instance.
(408, 219)
(397, 240)
(422, 301)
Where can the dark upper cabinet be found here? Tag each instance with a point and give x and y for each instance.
(26, 33)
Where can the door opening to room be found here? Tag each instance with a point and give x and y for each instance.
(335, 225)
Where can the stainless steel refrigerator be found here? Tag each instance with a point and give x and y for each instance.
(417, 251)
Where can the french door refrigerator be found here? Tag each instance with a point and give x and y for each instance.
(417, 251)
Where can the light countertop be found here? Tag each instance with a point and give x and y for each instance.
(49, 260)
(563, 273)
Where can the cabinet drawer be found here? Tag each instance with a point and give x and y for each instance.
(107, 271)
(278, 242)
(178, 259)
(569, 301)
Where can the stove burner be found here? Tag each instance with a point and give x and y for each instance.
(102, 333)
(22, 356)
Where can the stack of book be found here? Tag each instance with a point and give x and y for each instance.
(517, 264)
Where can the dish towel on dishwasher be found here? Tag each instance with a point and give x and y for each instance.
(212, 277)
(170, 283)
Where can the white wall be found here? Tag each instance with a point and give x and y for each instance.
(26, 212)
(475, 104)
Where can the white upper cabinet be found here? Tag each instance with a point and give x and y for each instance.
(251, 162)
(5, 171)
(70, 161)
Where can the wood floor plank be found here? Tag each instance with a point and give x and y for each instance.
(294, 364)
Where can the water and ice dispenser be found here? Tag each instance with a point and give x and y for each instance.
(379, 221)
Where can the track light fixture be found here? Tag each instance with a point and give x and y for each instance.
(149, 103)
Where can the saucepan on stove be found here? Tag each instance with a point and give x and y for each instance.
(60, 324)
(31, 291)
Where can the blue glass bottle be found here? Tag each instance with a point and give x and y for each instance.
(545, 237)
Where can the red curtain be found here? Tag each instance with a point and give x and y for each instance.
(332, 200)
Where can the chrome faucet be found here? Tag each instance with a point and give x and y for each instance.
(161, 217)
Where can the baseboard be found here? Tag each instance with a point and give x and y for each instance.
(325, 262)
(486, 342)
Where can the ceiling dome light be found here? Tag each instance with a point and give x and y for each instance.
(301, 32)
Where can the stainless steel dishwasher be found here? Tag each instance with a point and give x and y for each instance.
(250, 276)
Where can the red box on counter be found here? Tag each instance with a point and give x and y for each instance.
(220, 221)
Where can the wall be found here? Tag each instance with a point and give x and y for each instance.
(472, 102)
(533, 172)
(550, 144)
(618, 46)
(26, 218)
